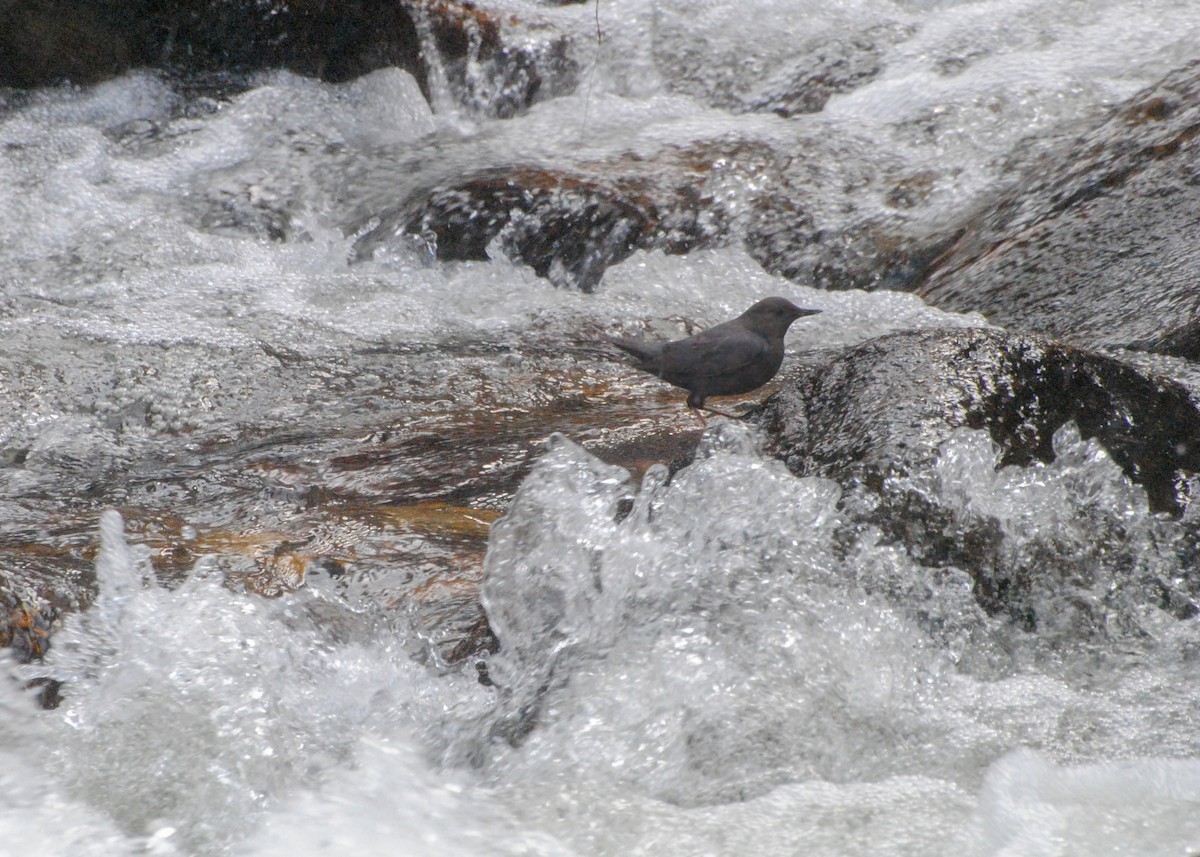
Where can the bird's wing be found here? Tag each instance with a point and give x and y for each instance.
(711, 355)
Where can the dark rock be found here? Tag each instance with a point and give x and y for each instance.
(55, 40)
(1182, 341)
(870, 254)
(1097, 244)
(85, 42)
(336, 41)
(46, 42)
(791, 227)
(877, 413)
(891, 401)
(568, 231)
(799, 80)
(569, 227)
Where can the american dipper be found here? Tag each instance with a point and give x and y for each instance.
(734, 357)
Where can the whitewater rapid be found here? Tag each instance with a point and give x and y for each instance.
(723, 663)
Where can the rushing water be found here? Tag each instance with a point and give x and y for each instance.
(725, 663)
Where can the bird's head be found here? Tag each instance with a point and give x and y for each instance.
(774, 315)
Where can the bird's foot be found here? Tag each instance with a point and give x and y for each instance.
(725, 414)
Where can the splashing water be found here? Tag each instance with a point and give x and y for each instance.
(189, 712)
(721, 662)
(735, 642)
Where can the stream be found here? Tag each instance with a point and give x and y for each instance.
(315, 540)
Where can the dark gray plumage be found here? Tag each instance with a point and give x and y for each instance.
(734, 357)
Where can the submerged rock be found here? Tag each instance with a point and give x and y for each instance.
(705, 54)
(1097, 245)
(871, 253)
(833, 67)
(876, 415)
(791, 229)
(571, 225)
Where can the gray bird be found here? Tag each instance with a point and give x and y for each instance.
(733, 357)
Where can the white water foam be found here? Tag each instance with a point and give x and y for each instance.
(719, 671)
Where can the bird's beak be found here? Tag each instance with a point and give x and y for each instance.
(801, 313)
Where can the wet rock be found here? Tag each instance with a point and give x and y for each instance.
(889, 402)
(333, 41)
(702, 56)
(54, 40)
(568, 230)
(792, 231)
(25, 630)
(870, 254)
(396, 491)
(839, 65)
(468, 47)
(875, 415)
(48, 41)
(570, 227)
(1096, 245)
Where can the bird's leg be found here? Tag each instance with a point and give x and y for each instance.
(696, 403)
(725, 414)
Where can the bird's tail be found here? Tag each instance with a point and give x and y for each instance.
(645, 352)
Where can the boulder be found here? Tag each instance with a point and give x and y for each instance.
(889, 402)
(875, 417)
(50, 41)
(571, 226)
(1096, 244)
(45, 42)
